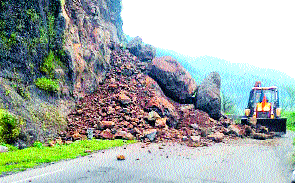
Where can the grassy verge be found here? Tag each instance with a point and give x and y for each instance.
(290, 115)
(18, 160)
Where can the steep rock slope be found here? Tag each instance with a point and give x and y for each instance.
(52, 53)
(90, 27)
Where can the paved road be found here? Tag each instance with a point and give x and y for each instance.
(245, 160)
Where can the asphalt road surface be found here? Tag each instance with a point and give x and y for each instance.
(244, 160)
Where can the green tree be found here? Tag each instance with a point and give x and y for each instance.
(227, 104)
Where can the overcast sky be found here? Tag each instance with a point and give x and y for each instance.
(259, 32)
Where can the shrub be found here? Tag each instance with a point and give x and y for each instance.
(38, 144)
(290, 115)
(48, 65)
(9, 130)
(47, 84)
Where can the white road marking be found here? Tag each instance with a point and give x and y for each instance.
(30, 178)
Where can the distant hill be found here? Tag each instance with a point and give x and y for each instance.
(237, 79)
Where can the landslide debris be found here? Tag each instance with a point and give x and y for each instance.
(131, 105)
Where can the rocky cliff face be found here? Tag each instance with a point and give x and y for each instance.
(51, 53)
(91, 26)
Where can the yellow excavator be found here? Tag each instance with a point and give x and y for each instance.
(263, 108)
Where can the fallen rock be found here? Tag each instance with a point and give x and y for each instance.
(195, 138)
(3, 149)
(106, 134)
(129, 136)
(184, 138)
(161, 122)
(208, 96)
(217, 136)
(195, 126)
(120, 135)
(124, 99)
(76, 136)
(204, 132)
(249, 131)
(68, 142)
(120, 157)
(174, 80)
(59, 141)
(106, 124)
(153, 116)
(237, 130)
(261, 136)
(150, 134)
(263, 129)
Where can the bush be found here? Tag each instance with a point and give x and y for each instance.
(290, 115)
(9, 130)
(47, 84)
(48, 64)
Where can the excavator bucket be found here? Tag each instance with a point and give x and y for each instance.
(275, 125)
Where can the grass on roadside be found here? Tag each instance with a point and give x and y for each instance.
(290, 115)
(18, 160)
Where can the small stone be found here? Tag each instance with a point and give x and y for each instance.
(3, 149)
(68, 142)
(76, 136)
(153, 116)
(248, 130)
(113, 86)
(204, 132)
(161, 122)
(195, 138)
(106, 124)
(150, 134)
(120, 157)
(52, 143)
(218, 137)
(235, 129)
(124, 99)
(59, 141)
(87, 151)
(195, 126)
(184, 138)
(129, 136)
(106, 134)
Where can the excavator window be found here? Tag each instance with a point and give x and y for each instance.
(256, 96)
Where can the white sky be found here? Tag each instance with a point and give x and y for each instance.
(258, 32)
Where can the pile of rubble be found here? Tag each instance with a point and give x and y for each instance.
(130, 105)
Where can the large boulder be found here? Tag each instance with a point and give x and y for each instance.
(174, 80)
(144, 52)
(208, 96)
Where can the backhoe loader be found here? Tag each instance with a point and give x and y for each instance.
(263, 109)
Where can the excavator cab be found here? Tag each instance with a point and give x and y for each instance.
(263, 107)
